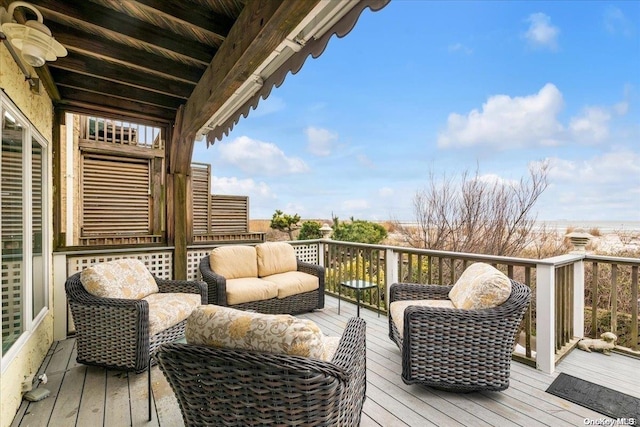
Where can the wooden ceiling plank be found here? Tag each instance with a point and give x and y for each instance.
(90, 66)
(114, 106)
(215, 23)
(111, 20)
(77, 40)
(260, 28)
(93, 84)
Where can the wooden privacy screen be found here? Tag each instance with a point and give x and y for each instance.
(216, 214)
(116, 195)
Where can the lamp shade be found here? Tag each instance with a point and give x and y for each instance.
(35, 42)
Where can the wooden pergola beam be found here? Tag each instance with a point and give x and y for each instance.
(108, 19)
(260, 28)
(258, 31)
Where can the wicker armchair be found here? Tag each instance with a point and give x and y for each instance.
(114, 333)
(454, 349)
(293, 304)
(225, 387)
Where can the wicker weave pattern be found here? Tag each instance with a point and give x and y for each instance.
(457, 350)
(113, 332)
(226, 387)
(293, 304)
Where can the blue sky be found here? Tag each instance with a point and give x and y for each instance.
(426, 87)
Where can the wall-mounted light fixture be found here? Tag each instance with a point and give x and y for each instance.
(33, 39)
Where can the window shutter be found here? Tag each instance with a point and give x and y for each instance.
(200, 184)
(115, 196)
(11, 195)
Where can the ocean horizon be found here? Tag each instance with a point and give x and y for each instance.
(586, 225)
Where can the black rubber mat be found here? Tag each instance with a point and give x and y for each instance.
(601, 399)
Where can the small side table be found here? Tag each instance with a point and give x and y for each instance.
(358, 286)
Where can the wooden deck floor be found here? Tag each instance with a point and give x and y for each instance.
(87, 396)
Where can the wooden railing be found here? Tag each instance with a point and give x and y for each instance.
(555, 320)
(563, 287)
(611, 298)
(99, 129)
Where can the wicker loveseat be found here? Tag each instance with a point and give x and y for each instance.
(267, 278)
(455, 349)
(220, 380)
(143, 312)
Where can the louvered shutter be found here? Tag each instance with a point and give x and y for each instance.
(12, 195)
(229, 214)
(200, 198)
(115, 196)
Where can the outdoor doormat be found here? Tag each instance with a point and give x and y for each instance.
(601, 399)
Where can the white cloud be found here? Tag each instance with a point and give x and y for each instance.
(507, 122)
(591, 126)
(615, 22)
(385, 192)
(493, 179)
(355, 205)
(241, 187)
(292, 208)
(541, 34)
(260, 158)
(618, 166)
(621, 108)
(365, 161)
(459, 47)
(320, 140)
(602, 187)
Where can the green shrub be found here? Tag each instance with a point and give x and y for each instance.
(359, 231)
(310, 230)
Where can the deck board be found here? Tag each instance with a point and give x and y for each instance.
(91, 407)
(90, 396)
(117, 411)
(65, 410)
(56, 370)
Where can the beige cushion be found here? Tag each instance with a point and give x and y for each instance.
(293, 283)
(397, 308)
(226, 327)
(123, 278)
(480, 286)
(330, 348)
(233, 262)
(275, 257)
(167, 309)
(250, 289)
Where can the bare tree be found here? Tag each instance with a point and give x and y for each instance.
(475, 214)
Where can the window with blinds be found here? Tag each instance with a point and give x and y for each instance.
(23, 225)
(116, 195)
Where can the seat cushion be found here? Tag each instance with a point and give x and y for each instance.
(397, 308)
(275, 257)
(125, 278)
(330, 348)
(167, 309)
(250, 289)
(293, 283)
(225, 327)
(480, 286)
(235, 261)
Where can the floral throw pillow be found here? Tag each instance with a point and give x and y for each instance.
(125, 278)
(480, 286)
(225, 327)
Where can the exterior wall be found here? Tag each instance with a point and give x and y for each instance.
(39, 110)
(22, 367)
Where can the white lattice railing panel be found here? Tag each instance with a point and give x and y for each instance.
(11, 299)
(307, 252)
(193, 262)
(159, 263)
